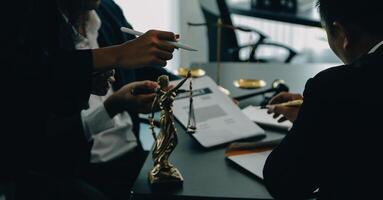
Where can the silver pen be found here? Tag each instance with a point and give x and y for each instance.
(176, 44)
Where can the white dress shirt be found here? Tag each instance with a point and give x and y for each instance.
(112, 137)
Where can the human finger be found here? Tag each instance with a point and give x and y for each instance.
(164, 55)
(165, 35)
(280, 98)
(165, 46)
(282, 119)
(276, 115)
(281, 110)
(145, 84)
(143, 87)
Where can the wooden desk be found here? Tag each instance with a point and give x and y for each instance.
(207, 174)
(307, 18)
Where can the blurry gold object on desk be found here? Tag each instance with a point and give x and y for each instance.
(195, 72)
(249, 83)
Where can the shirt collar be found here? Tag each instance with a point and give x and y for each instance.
(376, 47)
(92, 27)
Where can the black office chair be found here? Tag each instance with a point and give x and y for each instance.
(230, 49)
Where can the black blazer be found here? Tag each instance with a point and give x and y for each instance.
(45, 83)
(334, 143)
(113, 19)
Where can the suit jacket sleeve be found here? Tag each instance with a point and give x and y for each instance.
(291, 170)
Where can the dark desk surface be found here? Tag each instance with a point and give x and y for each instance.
(294, 75)
(207, 174)
(307, 18)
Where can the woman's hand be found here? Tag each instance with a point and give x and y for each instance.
(289, 113)
(124, 100)
(150, 49)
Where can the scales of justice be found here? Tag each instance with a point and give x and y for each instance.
(163, 172)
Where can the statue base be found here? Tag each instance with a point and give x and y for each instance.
(165, 176)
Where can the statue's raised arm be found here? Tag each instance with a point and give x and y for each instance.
(179, 85)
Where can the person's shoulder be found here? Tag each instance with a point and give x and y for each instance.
(330, 75)
(329, 81)
(361, 69)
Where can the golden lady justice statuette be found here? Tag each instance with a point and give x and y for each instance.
(163, 172)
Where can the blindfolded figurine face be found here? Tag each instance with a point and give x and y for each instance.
(163, 81)
(101, 82)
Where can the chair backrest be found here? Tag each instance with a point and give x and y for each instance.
(212, 10)
(229, 51)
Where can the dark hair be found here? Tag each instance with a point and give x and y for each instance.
(359, 15)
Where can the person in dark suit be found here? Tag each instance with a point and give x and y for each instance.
(47, 83)
(333, 147)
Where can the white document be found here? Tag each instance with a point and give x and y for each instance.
(218, 119)
(261, 117)
(252, 162)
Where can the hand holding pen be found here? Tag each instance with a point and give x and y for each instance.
(285, 104)
(174, 43)
(152, 49)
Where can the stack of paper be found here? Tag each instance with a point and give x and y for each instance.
(261, 117)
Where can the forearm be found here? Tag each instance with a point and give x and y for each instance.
(105, 58)
(112, 106)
